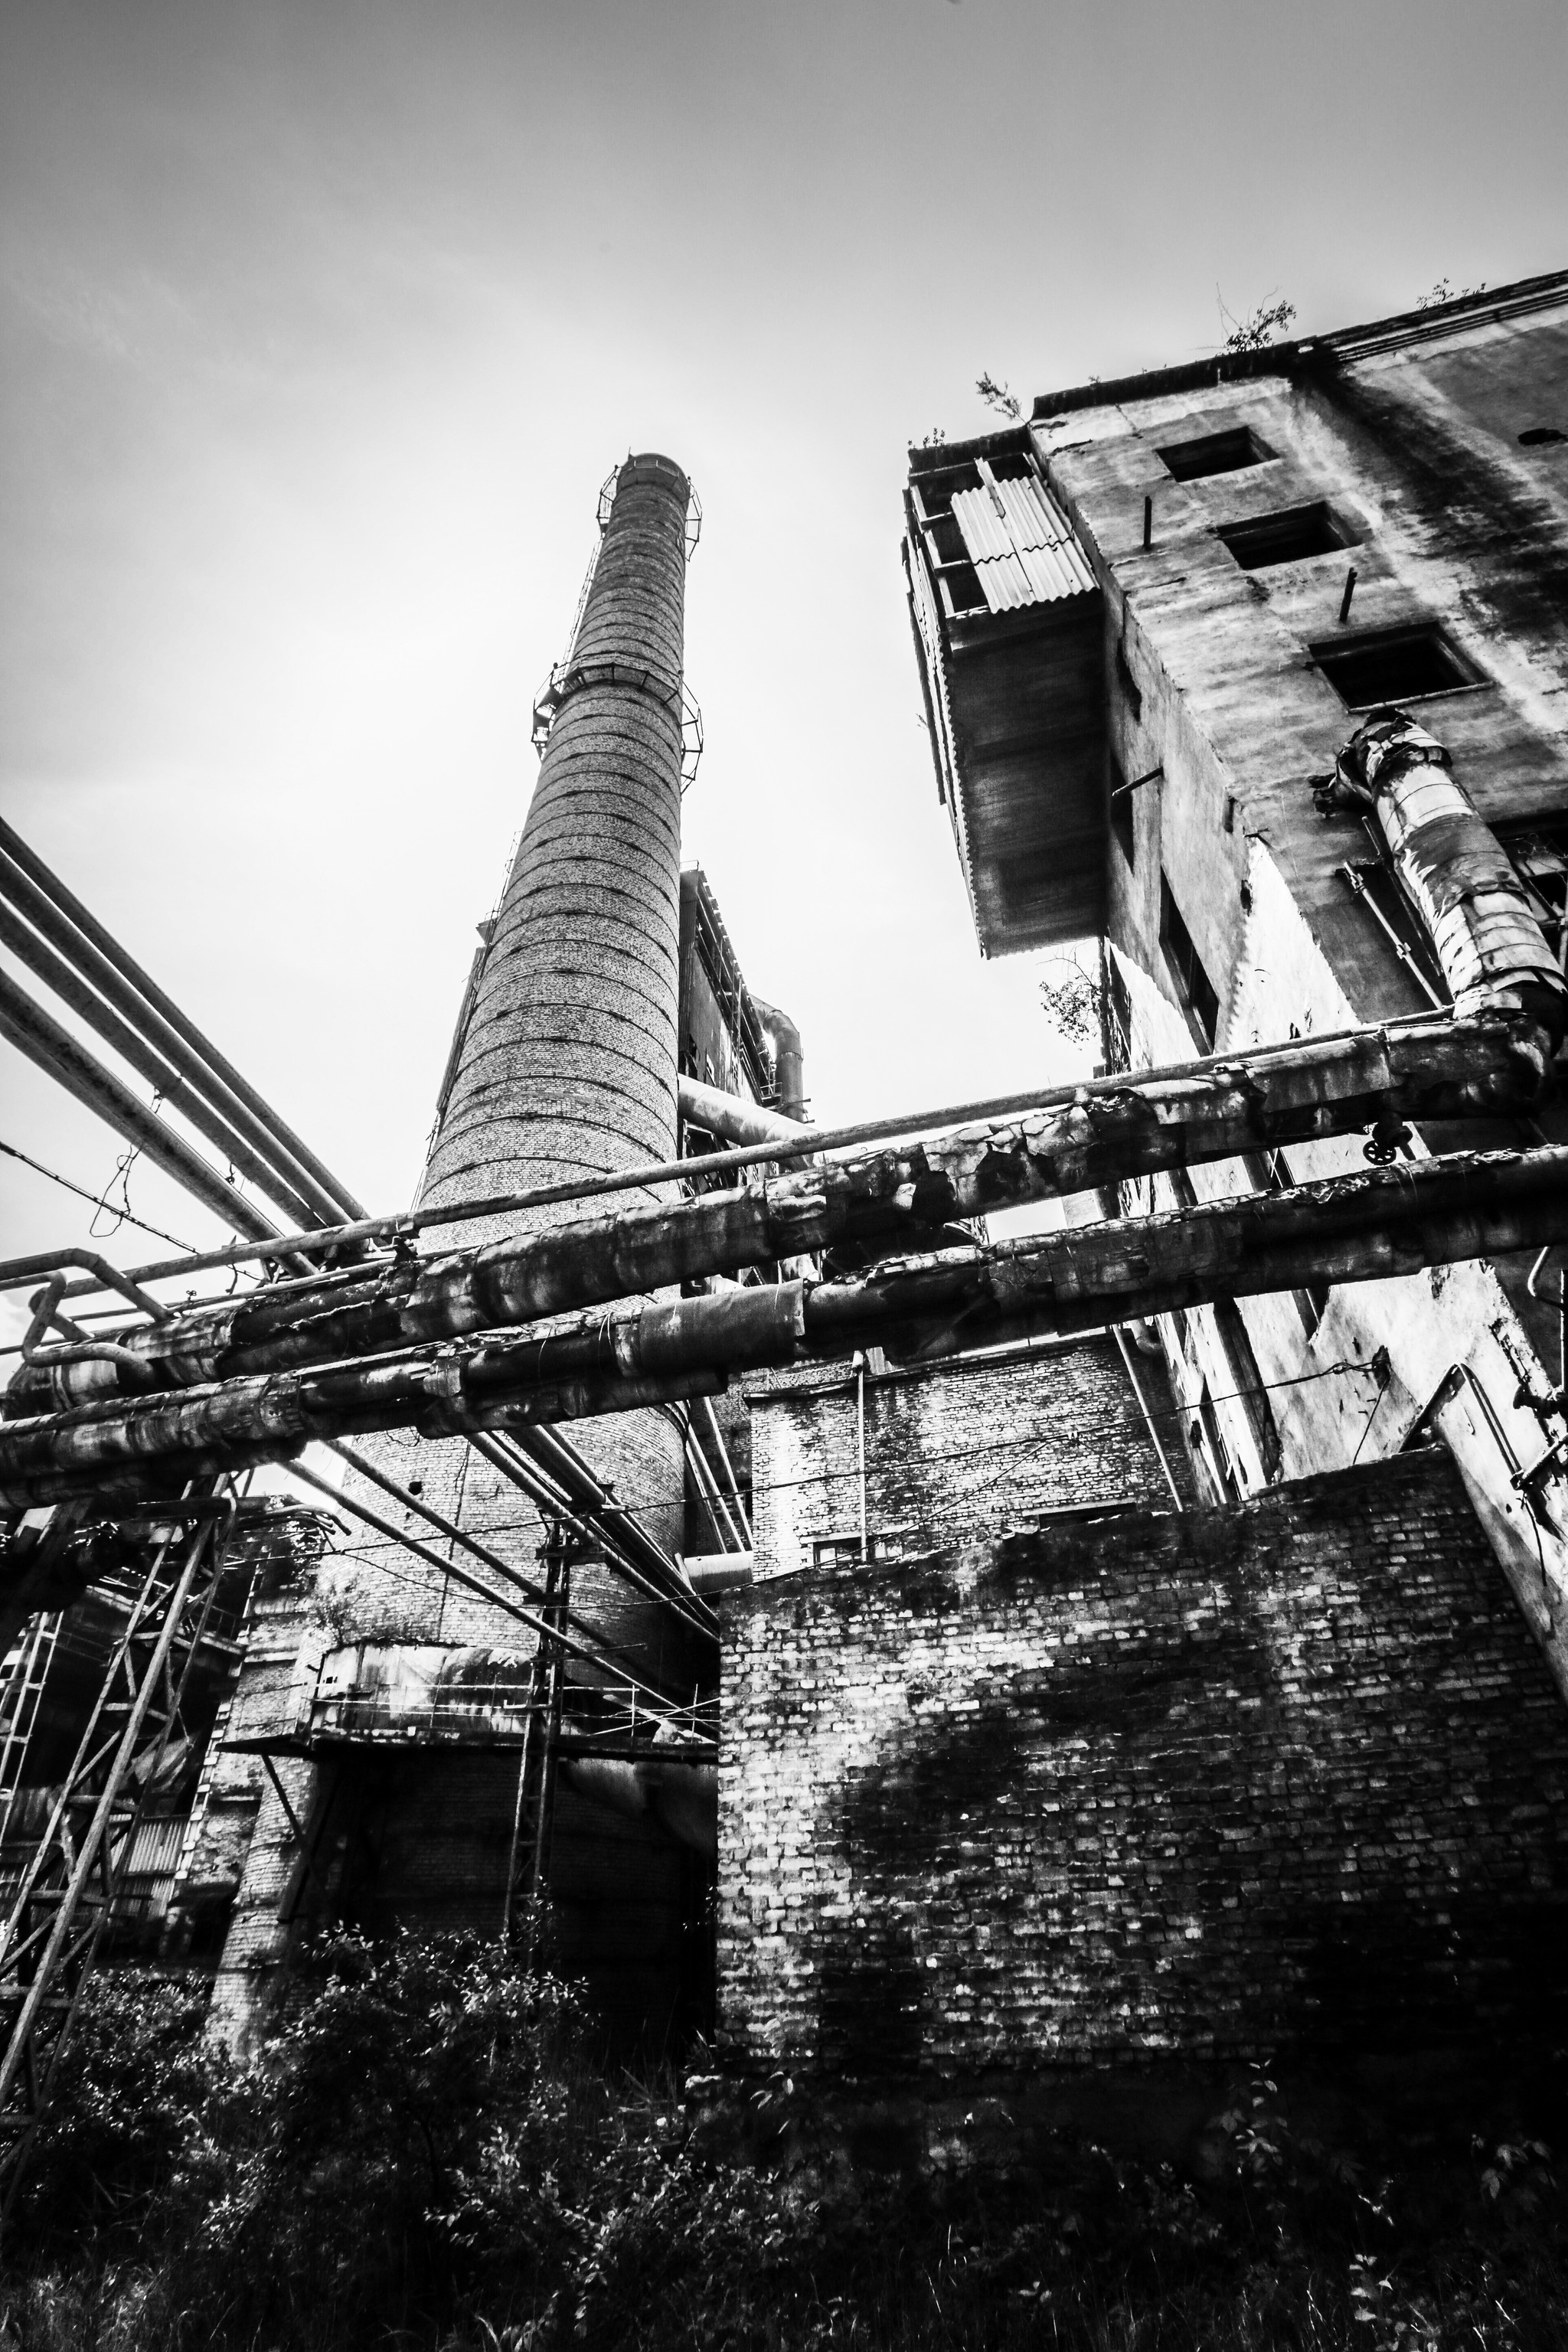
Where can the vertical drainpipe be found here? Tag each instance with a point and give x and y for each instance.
(1454, 870)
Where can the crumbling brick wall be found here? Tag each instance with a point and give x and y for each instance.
(1282, 1778)
(951, 1450)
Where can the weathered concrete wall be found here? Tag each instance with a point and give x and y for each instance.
(1286, 1777)
(1412, 440)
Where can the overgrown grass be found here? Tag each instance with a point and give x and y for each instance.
(428, 2155)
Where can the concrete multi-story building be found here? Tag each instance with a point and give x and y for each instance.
(1148, 620)
(1045, 1795)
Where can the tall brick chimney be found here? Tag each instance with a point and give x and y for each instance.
(564, 1064)
(567, 1065)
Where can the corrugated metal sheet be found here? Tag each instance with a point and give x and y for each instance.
(1023, 548)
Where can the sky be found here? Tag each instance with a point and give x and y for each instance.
(324, 321)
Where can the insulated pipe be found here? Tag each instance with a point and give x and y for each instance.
(1482, 1088)
(733, 1117)
(58, 976)
(1454, 871)
(34, 1032)
(1386, 1222)
(789, 1062)
(57, 911)
(882, 1202)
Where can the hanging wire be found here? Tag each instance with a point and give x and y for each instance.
(96, 1199)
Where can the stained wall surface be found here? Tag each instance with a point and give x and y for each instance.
(1281, 1779)
(951, 1450)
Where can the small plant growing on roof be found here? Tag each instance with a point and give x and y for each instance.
(999, 396)
(1259, 329)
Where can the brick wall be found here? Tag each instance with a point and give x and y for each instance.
(1284, 1778)
(951, 1450)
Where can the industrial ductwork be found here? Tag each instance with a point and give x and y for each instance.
(1453, 870)
(789, 1061)
(733, 1116)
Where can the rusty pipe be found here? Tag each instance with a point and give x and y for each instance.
(1376, 1224)
(884, 1203)
(1453, 870)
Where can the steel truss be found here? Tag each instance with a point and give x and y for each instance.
(69, 1893)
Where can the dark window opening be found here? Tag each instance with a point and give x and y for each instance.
(1193, 986)
(1272, 1172)
(1539, 435)
(1121, 815)
(1013, 468)
(1209, 1449)
(1129, 684)
(1393, 666)
(1286, 538)
(1251, 1394)
(1117, 1025)
(1215, 453)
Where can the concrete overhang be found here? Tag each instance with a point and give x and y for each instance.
(1009, 636)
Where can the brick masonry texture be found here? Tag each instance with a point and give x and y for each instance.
(951, 1451)
(1288, 1777)
(566, 1067)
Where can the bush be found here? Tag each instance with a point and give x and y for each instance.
(427, 2154)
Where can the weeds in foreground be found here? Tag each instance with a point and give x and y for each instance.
(427, 2155)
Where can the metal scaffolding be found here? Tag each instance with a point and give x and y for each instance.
(70, 1887)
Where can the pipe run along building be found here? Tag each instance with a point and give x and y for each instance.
(1068, 1800)
(1147, 620)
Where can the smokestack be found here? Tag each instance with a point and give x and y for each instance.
(563, 1066)
(567, 1065)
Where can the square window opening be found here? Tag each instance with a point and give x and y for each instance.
(1213, 453)
(1286, 538)
(1394, 666)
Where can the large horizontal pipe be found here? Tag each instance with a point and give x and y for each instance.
(1361, 1228)
(884, 1201)
(37, 1035)
(58, 976)
(55, 911)
(733, 1116)
(401, 1229)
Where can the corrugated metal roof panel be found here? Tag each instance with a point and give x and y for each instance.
(1024, 549)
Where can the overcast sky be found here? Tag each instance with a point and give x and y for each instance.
(325, 322)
